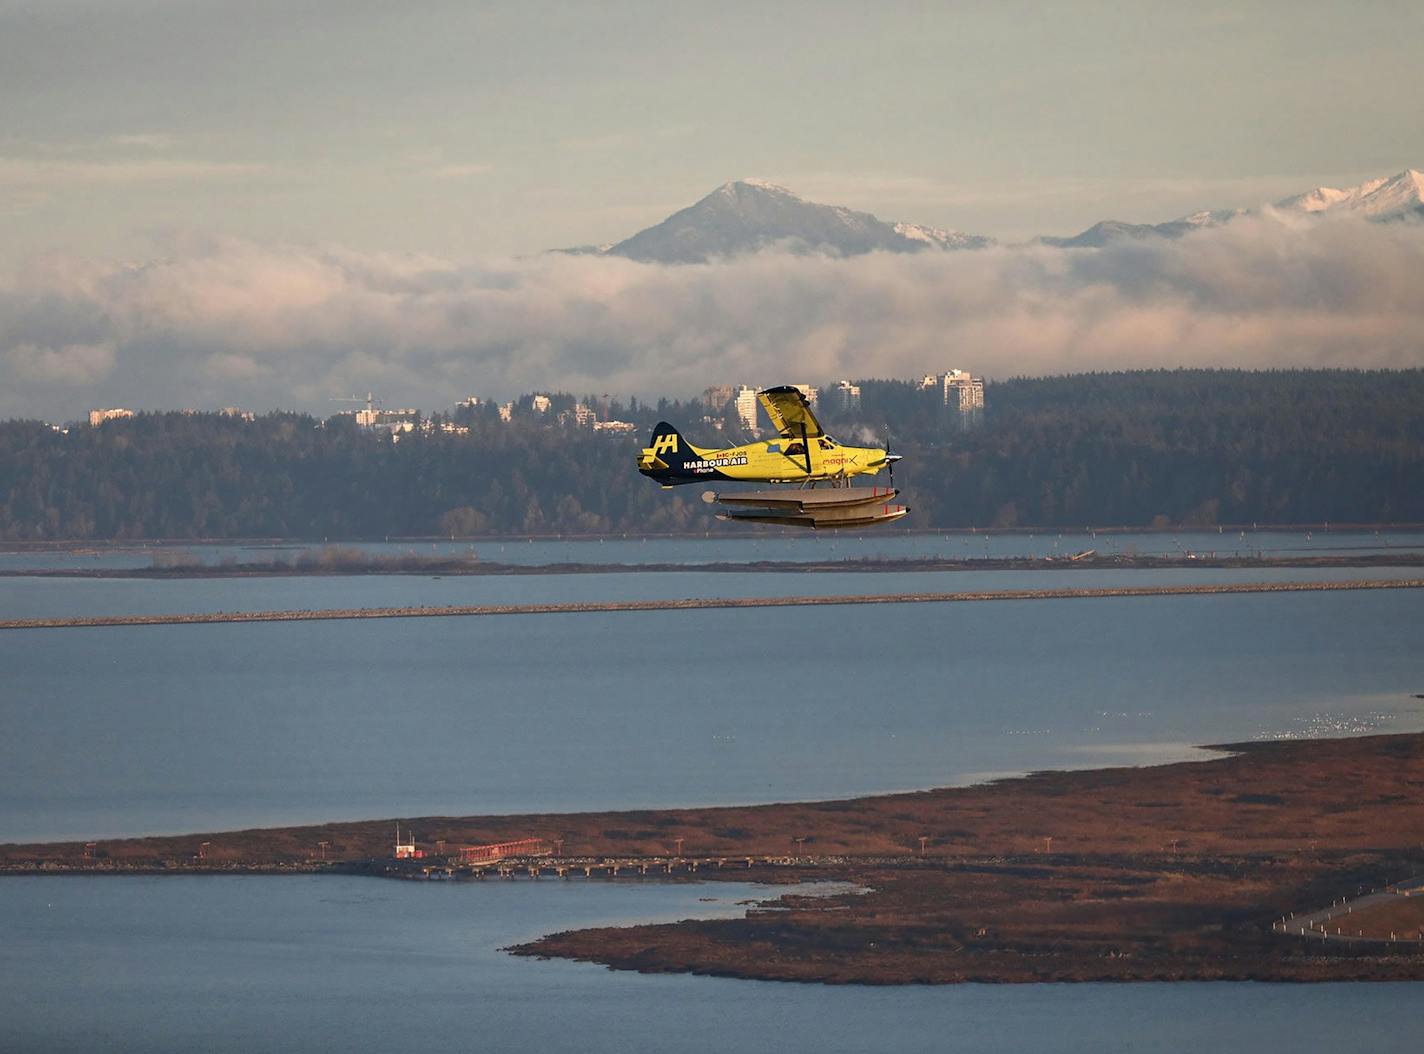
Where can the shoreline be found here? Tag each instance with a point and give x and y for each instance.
(455, 568)
(1170, 872)
(138, 544)
(704, 603)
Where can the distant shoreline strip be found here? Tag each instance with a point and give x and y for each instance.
(704, 603)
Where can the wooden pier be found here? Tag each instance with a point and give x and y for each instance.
(581, 867)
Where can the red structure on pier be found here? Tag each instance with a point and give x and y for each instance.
(479, 854)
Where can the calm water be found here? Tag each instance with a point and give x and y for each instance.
(43, 597)
(297, 964)
(180, 728)
(764, 544)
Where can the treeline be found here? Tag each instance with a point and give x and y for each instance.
(1189, 447)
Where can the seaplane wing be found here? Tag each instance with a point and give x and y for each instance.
(790, 413)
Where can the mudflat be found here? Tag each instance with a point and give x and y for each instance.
(1174, 872)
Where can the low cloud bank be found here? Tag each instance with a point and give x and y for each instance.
(215, 323)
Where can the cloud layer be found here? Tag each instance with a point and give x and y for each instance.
(211, 323)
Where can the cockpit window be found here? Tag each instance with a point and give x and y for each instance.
(826, 444)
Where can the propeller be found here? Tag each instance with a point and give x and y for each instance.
(890, 458)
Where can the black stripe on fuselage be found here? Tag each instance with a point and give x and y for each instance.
(673, 477)
(696, 469)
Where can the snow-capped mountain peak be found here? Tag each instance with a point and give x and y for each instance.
(1211, 217)
(766, 184)
(748, 215)
(940, 237)
(1382, 198)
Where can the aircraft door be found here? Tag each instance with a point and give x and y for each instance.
(806, 455)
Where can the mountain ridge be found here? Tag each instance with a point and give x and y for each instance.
(751, 215)
(1384, 199)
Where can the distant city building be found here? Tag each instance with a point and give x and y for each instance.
(469, 402)
(714, 422)
(540, 403)
(233, 411)
(449, 428)
(388, 420)
(98, 417)
(845, 397)
(615, 427)
(960, 392)
(580, 416)
(811, 393)
(746, 401)
(506, 412)
(718, 396)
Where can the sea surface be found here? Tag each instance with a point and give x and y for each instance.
(163, 729)
(764, 544)
(72, 597)
(313, 963)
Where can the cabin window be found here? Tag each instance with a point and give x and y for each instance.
(797, 447)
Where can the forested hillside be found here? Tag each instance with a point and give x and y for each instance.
(1181, 447)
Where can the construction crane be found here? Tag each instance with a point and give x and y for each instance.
(371, 403)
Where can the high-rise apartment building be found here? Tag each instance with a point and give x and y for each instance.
(718, 396)
(844, 397)
(746, 401)
(960, 392)
(963, 392)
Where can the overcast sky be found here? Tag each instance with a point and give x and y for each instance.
(132, 131)
(465, 128)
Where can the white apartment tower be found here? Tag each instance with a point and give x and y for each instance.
(746, 402)
(845, 397)
(960, 392)
(963, 392)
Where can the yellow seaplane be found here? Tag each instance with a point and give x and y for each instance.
(801, 457)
